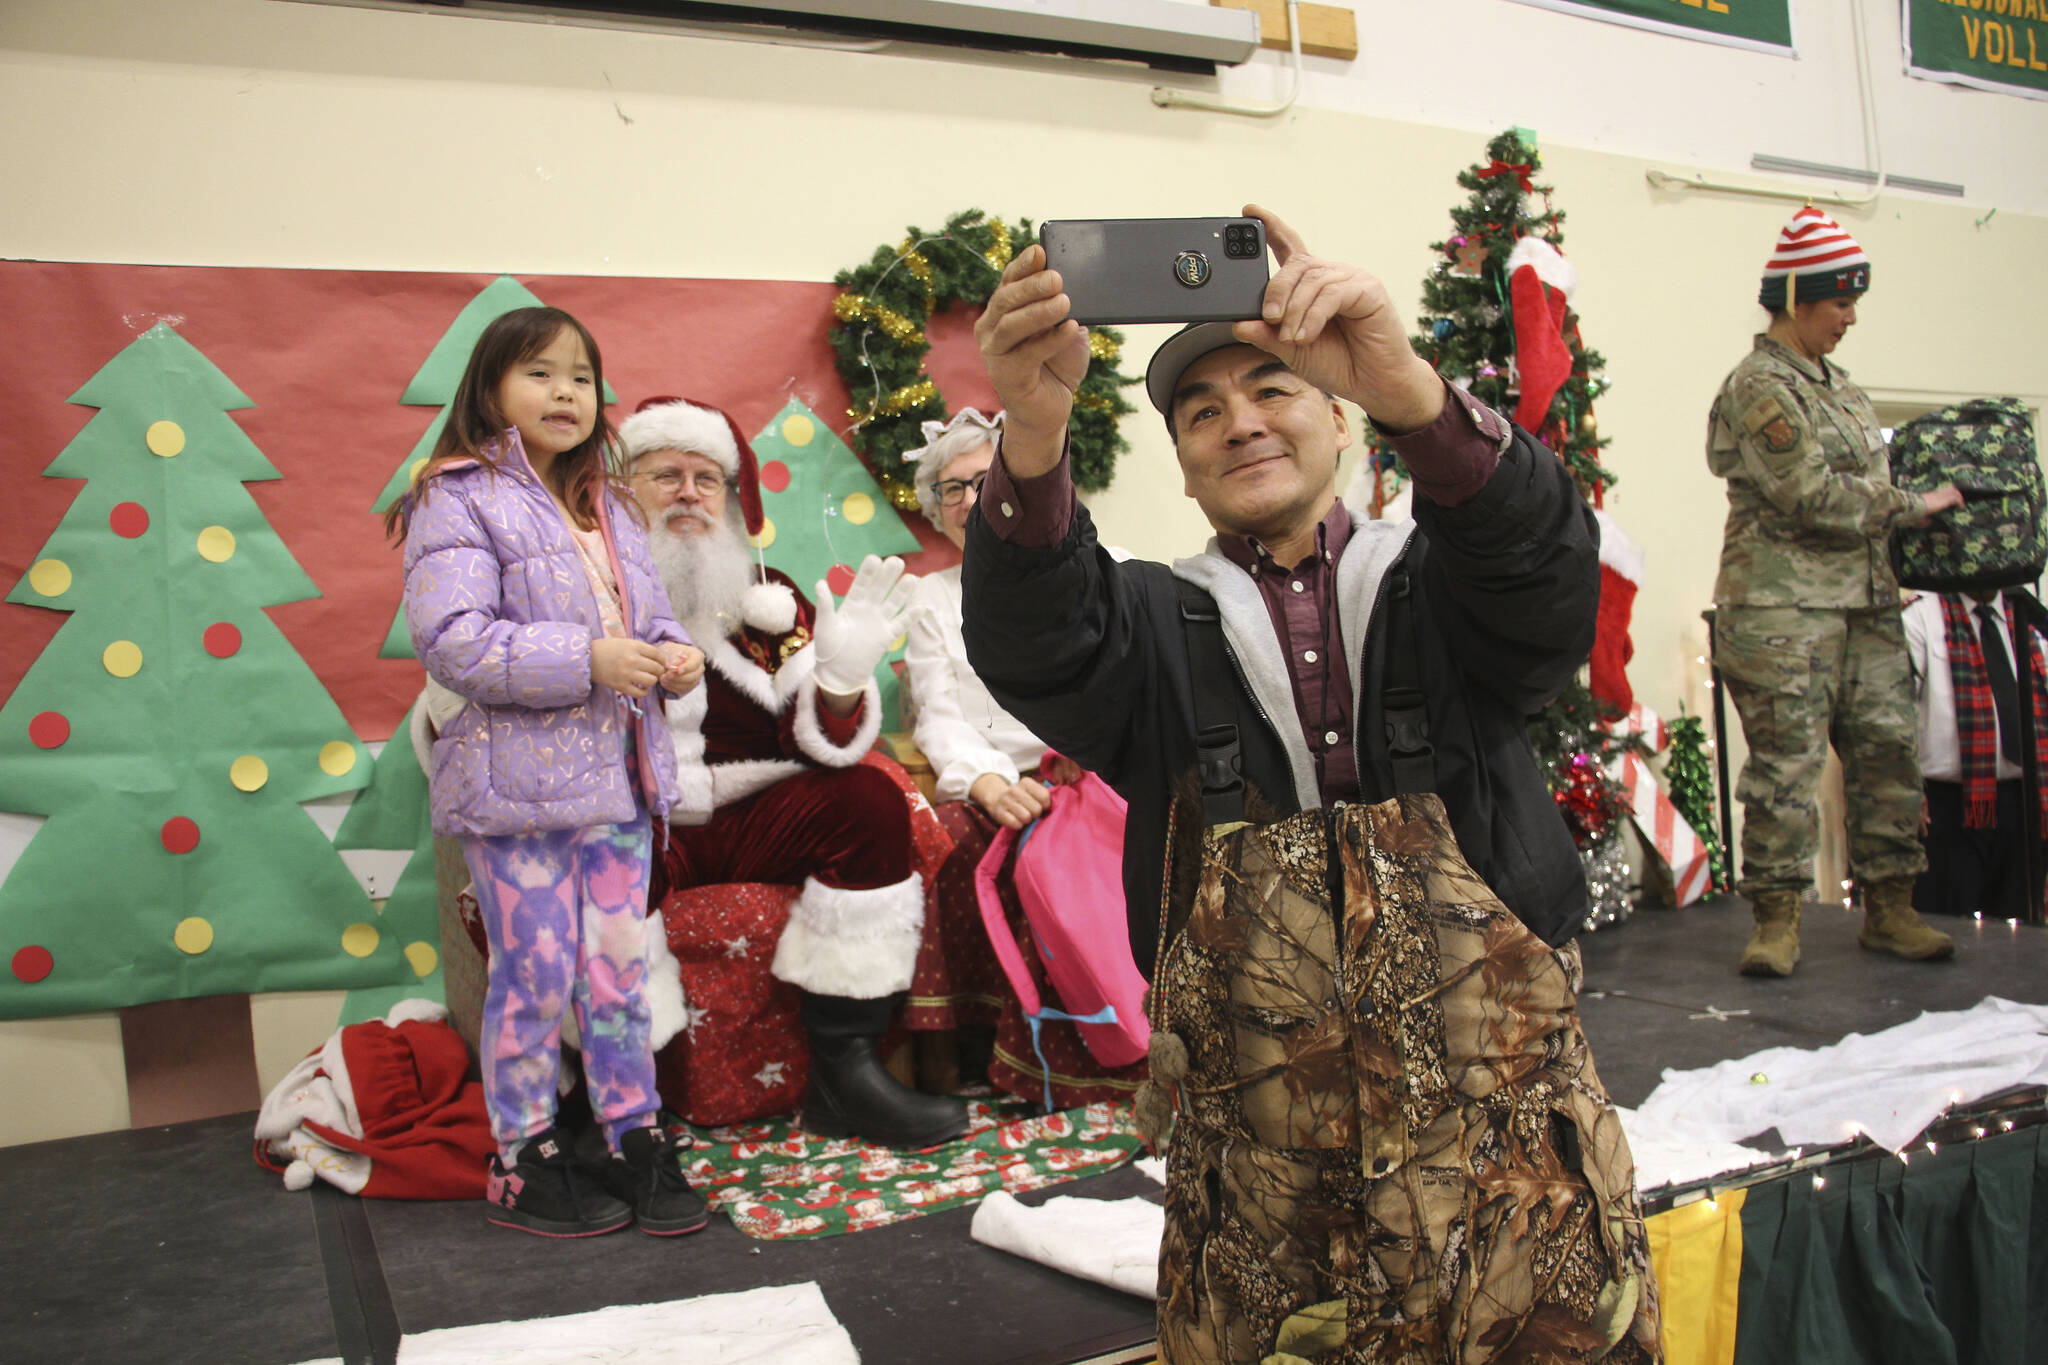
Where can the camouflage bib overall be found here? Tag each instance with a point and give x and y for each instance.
(1390, 1143)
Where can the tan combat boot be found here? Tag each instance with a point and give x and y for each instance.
(1773, 950)
(1892, 925)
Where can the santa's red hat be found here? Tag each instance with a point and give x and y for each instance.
(669, 423)
(385, 1109)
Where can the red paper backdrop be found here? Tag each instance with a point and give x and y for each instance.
(325, 356)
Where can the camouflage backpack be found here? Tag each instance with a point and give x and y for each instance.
(1996, 539)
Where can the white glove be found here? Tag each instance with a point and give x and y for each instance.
(851, 638)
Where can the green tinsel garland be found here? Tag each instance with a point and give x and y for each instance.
(1691, 779)
(879, 336)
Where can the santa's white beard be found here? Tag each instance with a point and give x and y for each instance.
(707, 573)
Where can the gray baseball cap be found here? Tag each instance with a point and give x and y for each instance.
(1181, 350)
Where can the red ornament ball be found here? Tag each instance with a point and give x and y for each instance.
(775, 476)
(180, 834)
(221, 639)
(128, 519)
(48, 730)
(32, 964)
(839, 578)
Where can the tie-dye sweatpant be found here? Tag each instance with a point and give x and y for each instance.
(563, 911)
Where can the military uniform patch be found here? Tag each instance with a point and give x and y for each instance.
(1779, 436)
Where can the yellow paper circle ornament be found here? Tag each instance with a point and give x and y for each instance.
(858, 508)
(50, 577)
(216, 544)
(164, 438)
(767, 536)
(423, 958)
(798, 429)
(337, 756)
(359, 940)
(193, 935)
(248, 773)
(123, 658)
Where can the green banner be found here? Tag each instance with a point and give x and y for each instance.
(1991, 44)
(1760, 25)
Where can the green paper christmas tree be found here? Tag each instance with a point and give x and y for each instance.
(824, 513)
(434, 385)
(392, 814)
(169, 731)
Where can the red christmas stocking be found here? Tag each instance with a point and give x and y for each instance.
(1621, 574)
(1541, 356)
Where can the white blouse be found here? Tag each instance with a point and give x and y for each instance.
(960, 727)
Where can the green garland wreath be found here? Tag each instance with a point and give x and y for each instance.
(879, 336)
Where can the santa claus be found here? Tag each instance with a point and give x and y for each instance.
(773, 789)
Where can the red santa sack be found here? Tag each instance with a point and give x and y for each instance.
(1069, 878)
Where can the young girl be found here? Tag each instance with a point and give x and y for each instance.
(530, 593)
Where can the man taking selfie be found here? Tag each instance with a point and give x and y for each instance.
(1346, 876)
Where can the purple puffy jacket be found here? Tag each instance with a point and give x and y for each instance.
(502, 612)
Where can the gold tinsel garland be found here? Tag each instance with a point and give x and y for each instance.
(880, 337)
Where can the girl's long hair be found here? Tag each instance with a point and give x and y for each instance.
(476, 426)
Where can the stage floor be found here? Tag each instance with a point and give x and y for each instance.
(170, 1244)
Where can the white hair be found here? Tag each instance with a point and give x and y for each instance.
(967, 431)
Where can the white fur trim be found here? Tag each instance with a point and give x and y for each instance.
(732, 782)
(685, 718)
(752, 681)
(416, 1009)
(681, 426)
(770, 607)
(1618, 551)
(312, 1092)
(810, 729)
(667, 1009)
(856, 943)
(1547, 261)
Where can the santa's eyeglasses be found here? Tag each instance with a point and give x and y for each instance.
(953, 492)
(671, 482)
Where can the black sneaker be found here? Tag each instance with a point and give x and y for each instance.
(546, 1193)
(649, 1172)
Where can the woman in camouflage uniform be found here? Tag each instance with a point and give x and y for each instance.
(1807, 633)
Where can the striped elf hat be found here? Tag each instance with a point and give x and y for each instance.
(1815, 259)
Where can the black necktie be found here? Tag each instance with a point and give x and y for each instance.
(2005, 694)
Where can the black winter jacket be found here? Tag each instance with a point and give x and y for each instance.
(1091, 654)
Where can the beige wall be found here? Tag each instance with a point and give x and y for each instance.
(256, 132)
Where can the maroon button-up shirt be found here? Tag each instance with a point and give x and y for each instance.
(1451, 459)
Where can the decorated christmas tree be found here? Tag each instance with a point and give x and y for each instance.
(1496, 316)
(169, 731)
(1690, 776)
(389, 815)
(1496, 320)
(434, 386)
(823, 513)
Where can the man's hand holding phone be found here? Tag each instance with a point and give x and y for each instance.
(1036, 356)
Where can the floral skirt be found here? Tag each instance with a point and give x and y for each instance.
(1390, 1142)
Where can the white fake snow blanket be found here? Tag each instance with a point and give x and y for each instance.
(777, 1325)
(1110, 1241)
(1887, 1085)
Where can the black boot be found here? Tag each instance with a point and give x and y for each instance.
(850, 1092)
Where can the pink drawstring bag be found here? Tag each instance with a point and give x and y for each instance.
(1069, 879)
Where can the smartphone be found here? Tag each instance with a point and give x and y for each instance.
(1159, 269)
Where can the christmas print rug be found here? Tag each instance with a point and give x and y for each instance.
(776, 1181)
